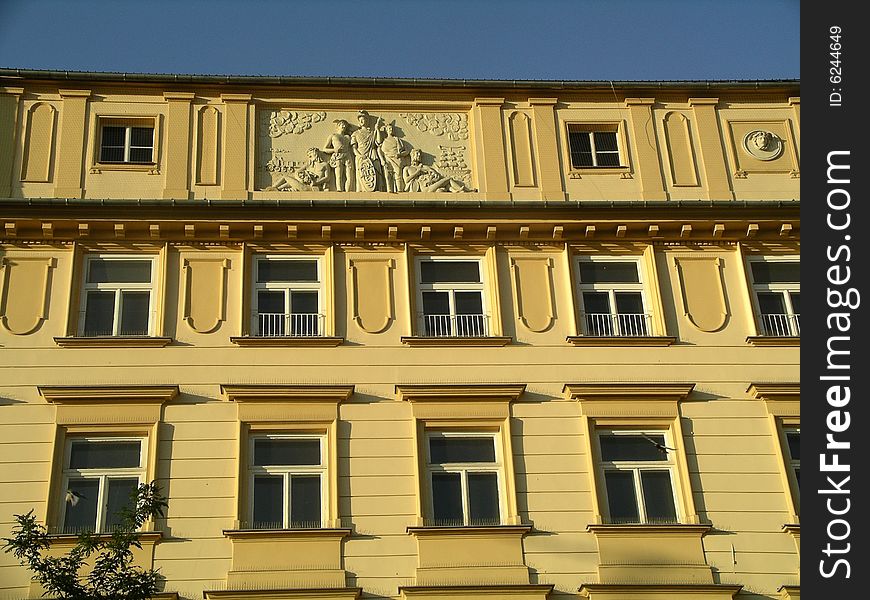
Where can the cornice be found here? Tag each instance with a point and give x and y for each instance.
(628, 391)
(287, 393)
(632, 530)
(138, 394)
(459, 393)
(452, 591)
(679, 588)
(282, 594)
(774, 391)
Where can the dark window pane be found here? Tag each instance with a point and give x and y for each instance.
(795, 298)
(608, 272)
(607, 159)
(797, 474)
(111, 155)
(99, 313)
(581, 150)
(135, 308)
(776, 272)
(268, 502)
(605, 141)
(794, 444)
(771, 303)
(142, 136)
(81, 505)
(114, 136)
(483, 499)
(436, 303)
(286, 452)
(303, 302)
(621, 498)
(141, 155)
(104, 455)
(270, 302)
(461, 450)
(632, 447)
(447, 499)
(629, 303)
(305, 501)
(596, 302)
(120, 496)
(453, 271)
(658, 496)
(286, 270)
(468, 303)
(119, 271)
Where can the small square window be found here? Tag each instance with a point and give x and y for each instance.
(638, 474)
(100, 478)
(126, 141)
(287, 481)
(612, 299)
(593, 146)
(450, 294)
(117, 296)
(776, 294)
(287, 297)
(464, 473)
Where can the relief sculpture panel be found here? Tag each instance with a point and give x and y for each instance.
(343, 151)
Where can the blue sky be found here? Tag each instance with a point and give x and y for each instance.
(486, 39)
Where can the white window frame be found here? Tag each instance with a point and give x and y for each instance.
(125, 122)
(591, 129)
(464, 469)
(102, 474)
(118, 288)
(452, 288)
(793, 464)
(618, 327)
(287, 471)
(791, 326)
(636, 467)
(288, 288)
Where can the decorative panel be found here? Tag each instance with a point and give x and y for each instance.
(681, 152)
(38, 143)
(24, 301)
(204, 293)
(702, 292)
(534, 290)
(372, 293)
(208, 146)
(521, 149)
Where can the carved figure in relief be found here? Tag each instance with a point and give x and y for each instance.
(365, 142)
(423, 178)
(314, 177)
(763, 145)
(393, 151)
(340, 151)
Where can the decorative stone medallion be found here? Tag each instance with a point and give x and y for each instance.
(762, 145)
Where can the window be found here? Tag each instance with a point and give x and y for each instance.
(127, 141)
(118, 296)
(287, 481)
(287, 297)
(777, 294)
(793, 442)
(450, 293)
(464, 472)
(99, 478)
(612, 297)
(638, 476)
(593, 146)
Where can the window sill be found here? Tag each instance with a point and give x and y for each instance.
(622, 591)
(113, 342)
(769, 340)
(649, 528)
(266, 534)
(624, 340)
(578, 173)
(421, 341)
(145, 537)
(150, 168)
(252, 341)
(475, 530)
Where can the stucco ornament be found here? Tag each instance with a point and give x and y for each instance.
(373, 155)
(763, 145)
(288, 121)
(454, 126)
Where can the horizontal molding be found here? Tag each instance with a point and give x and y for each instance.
(596, 341)
(138, 394)
(768, 341)
(249, 341)
(113, 342)
(489, 341)
(284, 393)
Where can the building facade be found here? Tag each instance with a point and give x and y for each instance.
(403, 338)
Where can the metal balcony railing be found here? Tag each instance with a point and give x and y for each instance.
(455, 325)
(781, 325)
(289, 325)
(616, 325)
